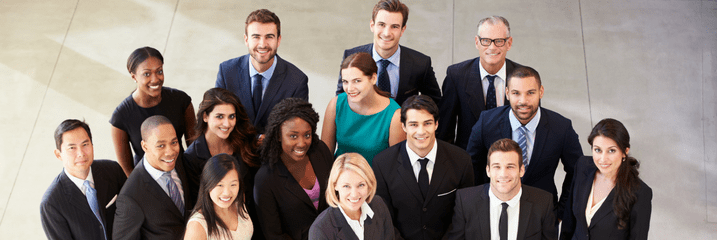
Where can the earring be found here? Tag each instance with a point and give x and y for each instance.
(623, 159)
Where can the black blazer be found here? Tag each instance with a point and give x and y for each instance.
(462, 100)
(414, 217)
(555, 140)
(287, 81)
(415, 74)
(604, 222)
(145, 211)
(331, 224)
(284, 209)
(472, 214)
(64, 210)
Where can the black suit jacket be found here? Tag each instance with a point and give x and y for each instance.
(287, 81)
(285, 211)
(462, 101)
(415, 74)
(64, 210)
(414, 217)
(145, 211)
(555, 140)
(472, 214)
(331, 224)
(604, 223)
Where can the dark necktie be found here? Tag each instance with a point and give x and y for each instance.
(384, 83)
(91, 195)
(503, 224)
(256, 96)
(423, 177)
(174, 192)
(490, 101)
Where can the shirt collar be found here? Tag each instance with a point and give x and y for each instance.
(531, 126)
(80, 182)
(366, 211)
(395, 58)
(501, 73)
(494, 201)
(266, 74)
(155, 173)
(413, 156)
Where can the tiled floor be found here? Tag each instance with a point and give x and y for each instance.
(649, 63)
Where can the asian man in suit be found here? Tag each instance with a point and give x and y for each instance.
(155, 202)
(475, 85)
(261, 78)
(505, 208)
(79, 204)
(402, 72)
(545, 137)
(418, 178)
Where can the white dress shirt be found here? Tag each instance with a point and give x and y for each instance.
(80, 183)
(499, 84)
(532, 126)
(156, 174)
(513, 215)
(357, 225)
(431, 156)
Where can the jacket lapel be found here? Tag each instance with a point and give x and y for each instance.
(74, 196)
(405, 170)
(524, 214)
(582, 194)
(101, 186)
(439, 173)
(484, 210)
(506, 130)
(404, 76)
(292, 185)
(245, 93)
(604, 210)
(474, 89)
(277, 79)
(539, 142)
(156, 191)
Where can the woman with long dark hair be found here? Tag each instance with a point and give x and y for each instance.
(608, 200)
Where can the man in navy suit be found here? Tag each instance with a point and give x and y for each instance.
(545, 137)
(475, 85)
(418, 178)
(403, 72)
(79, 204)
(261, 78)
(505, 208)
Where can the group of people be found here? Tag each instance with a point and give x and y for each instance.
(398, 157)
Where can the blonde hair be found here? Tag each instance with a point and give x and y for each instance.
(350, 162)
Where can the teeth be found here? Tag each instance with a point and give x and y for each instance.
(299, 152)
(354, 201)
(225, 199)
(168, 161)
(224, 129)
(154, 87)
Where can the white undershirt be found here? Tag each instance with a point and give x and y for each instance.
(590, 211)
(80, 183)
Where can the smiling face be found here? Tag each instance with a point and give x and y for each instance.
(420, 128)
(387, 32)
(225, 193)
(76, 152)
(505, 172)
(492, 56)
(607, 155)
(262, 40)
(296, 137)
(357, 85)
(161, 148)
(221, 120)
(149, 77)
(353, 191)
(524, 95)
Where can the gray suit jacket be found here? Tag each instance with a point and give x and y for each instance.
(331, 224)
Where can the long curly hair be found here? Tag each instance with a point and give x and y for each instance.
(285, 110)
(243, 137)
(627, 181)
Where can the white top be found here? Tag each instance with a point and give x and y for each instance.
(80, 183)
(413, 157)
(513, 215)
(532, 126)
(357, 225)
(590, 211)
(156, 174)
(244, 230)
(498, 83)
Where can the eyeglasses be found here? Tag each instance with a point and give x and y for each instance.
(499, 42)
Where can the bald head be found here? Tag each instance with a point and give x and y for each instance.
(152, 123)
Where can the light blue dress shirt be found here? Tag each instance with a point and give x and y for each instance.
(266, 76)
(393, 68)
(531, 126)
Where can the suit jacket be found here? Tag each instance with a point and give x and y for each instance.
(64, 210)
(555, 140)
(284, 209)
(472, 214)
(415, 74)
(145, 211)
(331, 224)
(462, 101)
(604, 223)
(287, 81)
(414, 217)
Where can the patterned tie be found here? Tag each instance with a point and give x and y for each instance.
(423, 177)
(384, 83)
(523, 142)
(91, 195)
(503, 222)
(174, 192)
(490, 101)
(257, 92)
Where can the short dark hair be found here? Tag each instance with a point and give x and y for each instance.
(391, 6)
(365, 63)
(151, 123)
(524, 72)
(214, 171)
(69, 125)
(263, 16)
(506, 145)
(286, 110)
(140, 55)
(419, 102)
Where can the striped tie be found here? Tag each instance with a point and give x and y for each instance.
(91, 195)
(174, 192)
(523, 142)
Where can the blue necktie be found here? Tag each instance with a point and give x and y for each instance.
(91, 195)
(523, 142)
(174, 192)
(490, 101)
(384, 83)
(257, 92)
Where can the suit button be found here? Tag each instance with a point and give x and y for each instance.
(424, 227)
(425, 209)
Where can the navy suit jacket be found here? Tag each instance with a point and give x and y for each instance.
(555, 140)
(396, 183)
(331, 224)
(462, 101)
(287, 81)
(145, 211)
(472, 214)
(64, 210)
(604, 223)
(415, 74)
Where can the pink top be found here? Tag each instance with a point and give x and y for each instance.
(314, 193)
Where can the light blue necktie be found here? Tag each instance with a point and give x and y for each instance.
(523, 142)
(174, 192)
(91, 195)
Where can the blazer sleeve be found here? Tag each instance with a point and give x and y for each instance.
(569, 157)
(128, 219)
(340, 86)
(549, 228)
(267, 209)
(382, 188)
(54, 224)
(319, 229)
(448, 109)
(429, 85)
(303, 90)
(640, 214)
(568, 226)
(476, 148)
(220, 79)
(458, 223)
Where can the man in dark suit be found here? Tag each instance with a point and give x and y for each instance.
(79, 204)
(403, 72)
(475, 85)
(503, 209)
(545, 137)
(418, 178)
(261, 78)
(155, 202)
